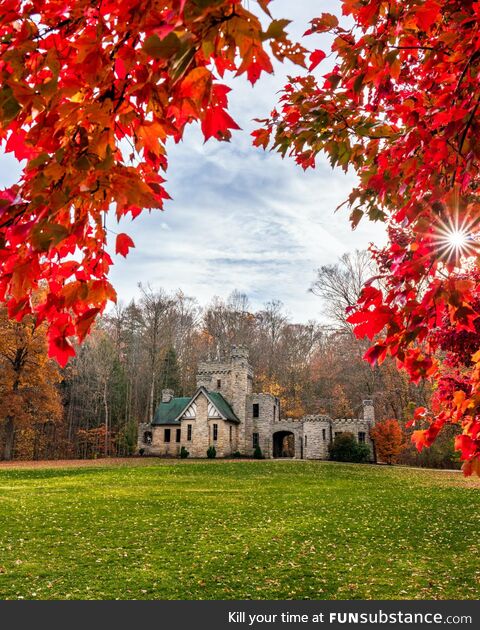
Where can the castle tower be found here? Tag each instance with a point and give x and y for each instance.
(233, 379)
(242, 386)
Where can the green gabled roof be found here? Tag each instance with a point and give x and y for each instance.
(223, 407)
(167, 413)
(170, 413)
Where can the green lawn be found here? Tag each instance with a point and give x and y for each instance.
(239, 530)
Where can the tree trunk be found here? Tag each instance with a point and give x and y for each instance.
(9, 439)
(105, 403)
(151, 409)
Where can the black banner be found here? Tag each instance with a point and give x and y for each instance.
(240, 615)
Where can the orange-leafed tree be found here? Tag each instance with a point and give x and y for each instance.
(28, 379)
(341, 407)
(389, 440)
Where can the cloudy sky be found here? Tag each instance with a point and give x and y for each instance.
(241, 218)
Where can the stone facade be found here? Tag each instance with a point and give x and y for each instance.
(225, 413)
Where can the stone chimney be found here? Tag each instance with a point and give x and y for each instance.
(167, 395)
(369, 411)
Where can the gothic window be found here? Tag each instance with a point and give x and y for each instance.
(179, 435)
(361, 437)
(256, 410)
(189, 432)
(147, 437)
(219, 383)
(166, 437)
(255, 440)
(324, 434)
(215, 432)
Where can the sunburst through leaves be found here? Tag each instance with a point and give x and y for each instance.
(457, 239)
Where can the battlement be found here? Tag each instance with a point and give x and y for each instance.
(347, 420)
(211, 367)
(317, 418)
(239, 352)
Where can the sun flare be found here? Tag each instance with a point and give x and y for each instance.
(457, 239)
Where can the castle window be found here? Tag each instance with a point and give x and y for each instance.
(166, 436)
(274, 413)
(147, 437)
(305, 440)
(189, 432)
(324, 434)
(256, 410)
(219, 383)
(215, 432)
(361, 437)
(230, 433)
(179, 435)
(255, 440)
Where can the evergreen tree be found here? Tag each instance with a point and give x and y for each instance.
(171, 372)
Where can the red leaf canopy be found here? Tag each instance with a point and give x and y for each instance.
(78, 78)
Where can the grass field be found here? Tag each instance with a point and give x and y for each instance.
(239, 530)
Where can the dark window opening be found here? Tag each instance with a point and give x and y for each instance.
(255, 440)
(361, 437)
(147, 437)
(230, 433)
(215, 432)
(189, 432)
(274, 413)
(256, 410)
(219, 383)
(324, 434)
(167, 435)
(179, 435)
(305, 440)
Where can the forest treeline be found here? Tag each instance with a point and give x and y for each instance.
(93, 406)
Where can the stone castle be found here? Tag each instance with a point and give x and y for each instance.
(225, 413)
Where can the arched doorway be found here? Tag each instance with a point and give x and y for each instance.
(283, 444)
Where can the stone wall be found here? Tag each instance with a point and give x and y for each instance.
(158, 446)
(268, 415)
(200, 442)
(316, 436)
(354, 426)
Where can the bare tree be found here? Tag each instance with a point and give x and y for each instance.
(339, 285)
(155, 308)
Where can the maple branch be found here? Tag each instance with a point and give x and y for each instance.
(59, 26)
(468, 125)
(358, 134)
(418, 48)
(475, 56)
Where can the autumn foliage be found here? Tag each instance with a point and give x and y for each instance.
(401, 108)
(89, 95)
(28, 380)
(389, 440)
